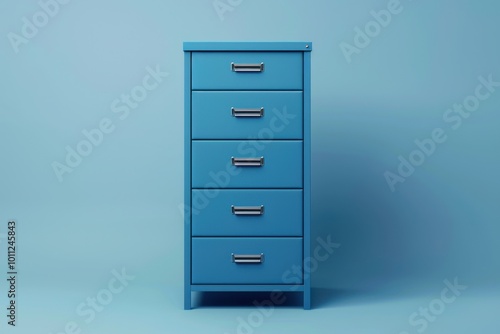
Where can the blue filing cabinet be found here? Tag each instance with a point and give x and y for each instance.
(247, 167)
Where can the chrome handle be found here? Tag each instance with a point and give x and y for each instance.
(247, 67)
(247, 162)
(239, 112)
(247, 258)
(247, 210)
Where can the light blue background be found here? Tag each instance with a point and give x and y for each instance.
(120, 207)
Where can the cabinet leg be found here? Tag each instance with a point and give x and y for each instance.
(307, 299)
(187, 299)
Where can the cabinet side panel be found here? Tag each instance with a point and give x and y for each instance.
(187, 180)
(307, 175)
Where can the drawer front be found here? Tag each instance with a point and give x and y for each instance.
(246, 70)
(247, 212)
(246, 164)
(255, 260)
(243, 115)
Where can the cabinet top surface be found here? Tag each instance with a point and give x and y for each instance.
(247, 46)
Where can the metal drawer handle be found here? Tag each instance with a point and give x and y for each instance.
(239, 112)
(247, 258)
(247, 162)
(247, 67)
(247, 210)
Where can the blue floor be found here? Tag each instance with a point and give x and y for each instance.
(157, 310)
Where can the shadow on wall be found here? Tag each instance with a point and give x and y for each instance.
(387, 240)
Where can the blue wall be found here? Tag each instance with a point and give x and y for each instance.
(371, 100)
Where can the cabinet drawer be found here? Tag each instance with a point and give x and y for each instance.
(241, 115)
(247, 212)
(244, 260)
(246, 70)
(246, 164)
